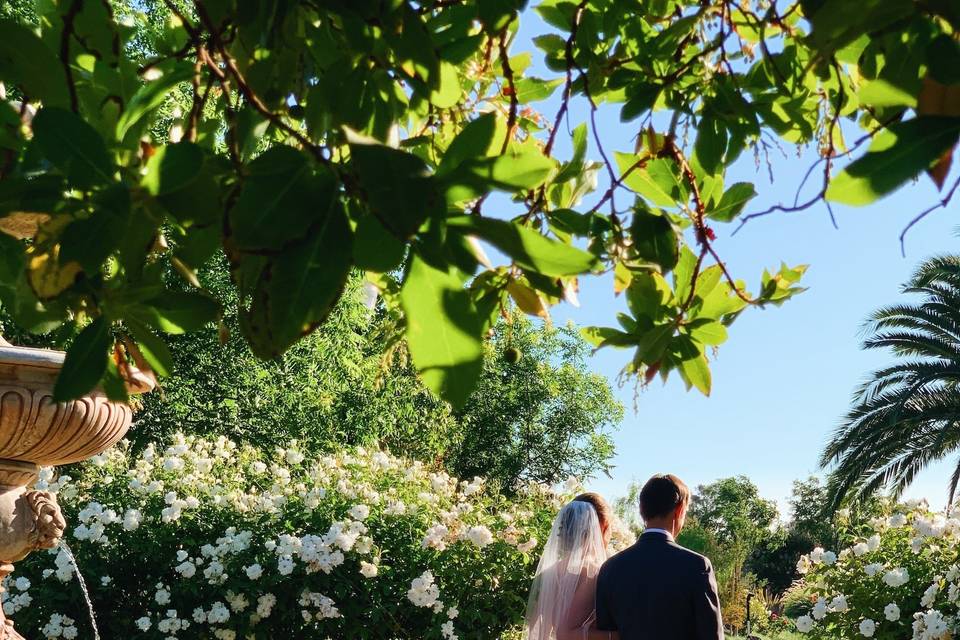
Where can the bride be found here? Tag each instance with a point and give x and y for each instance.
(561, 605)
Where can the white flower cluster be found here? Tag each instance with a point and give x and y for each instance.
(874, 571)
(59, 626)
(323, 607)
(321, 524)
(15, 602)
(424, 592)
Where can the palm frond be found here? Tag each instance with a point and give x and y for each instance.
(905, 416)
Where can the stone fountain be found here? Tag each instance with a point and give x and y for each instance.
(36, 431)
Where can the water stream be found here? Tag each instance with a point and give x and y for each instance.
(83, 587)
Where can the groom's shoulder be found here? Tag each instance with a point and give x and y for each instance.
(696, 560)
(670, 552)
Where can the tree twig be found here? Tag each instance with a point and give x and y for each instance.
(923, 214)
(68, 20)
(512, 87)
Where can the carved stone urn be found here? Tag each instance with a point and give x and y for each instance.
(36, 431)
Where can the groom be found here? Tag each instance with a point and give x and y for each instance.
(656, 589)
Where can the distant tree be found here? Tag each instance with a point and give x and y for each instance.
(809, 513)
(543, 417)
(812, 524)
(732, 509)
(537, 413)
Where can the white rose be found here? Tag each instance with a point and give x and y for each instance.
(891, 612)
(867, 628)
(359, 512)
(896, 578)
(804, 624)
(480, 536)
(368, 569)
(820, 609)
(839, 604)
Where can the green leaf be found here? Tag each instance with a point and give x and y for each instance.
(527, 247)
(943, 57)
(26, 62)
(708, 332)
(732, 202)
(398, 186)
(113, 383)
(39, 194)
(535, 89)
(880, 93)
(449, 93)
(73, 146)
(640, 98)
(151, 95)
(658, 181)
(85, 363)
(692, 363)
(574, 168)
(653, 344)
(683, 274)
(648, 295)
(839, 22)
(305, 281)
(282, 198)
(896, 155)
(172, 167)
(606, 336)
(695, 372)
(512, 171)
(155, 351)
(721, 301)
(375, 248)
(90, 241)
(12, 260)
(497, 14)
(710, 145)
(183, 179)
(177, 312)
(475, 140)
(654, 238)
(443, 331)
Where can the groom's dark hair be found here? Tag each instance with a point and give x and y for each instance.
(661, 495)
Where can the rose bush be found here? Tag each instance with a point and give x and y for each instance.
(207, 539)
(900, 580)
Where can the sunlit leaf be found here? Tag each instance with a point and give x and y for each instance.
(527, 247)
(897, 154)
(443, 331)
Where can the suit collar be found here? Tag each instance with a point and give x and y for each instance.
(657, 534)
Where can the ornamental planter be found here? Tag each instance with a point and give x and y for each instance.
(36, 431)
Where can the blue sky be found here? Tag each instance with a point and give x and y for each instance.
(785, 377)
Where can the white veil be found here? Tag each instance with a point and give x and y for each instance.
(574, 551)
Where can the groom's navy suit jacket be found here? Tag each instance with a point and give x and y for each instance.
(657, 590)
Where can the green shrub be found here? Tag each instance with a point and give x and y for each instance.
(900, 580)
(210, 539)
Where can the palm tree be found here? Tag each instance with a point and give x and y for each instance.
(907, 415)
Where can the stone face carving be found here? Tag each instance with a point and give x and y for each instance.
(35, 431)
